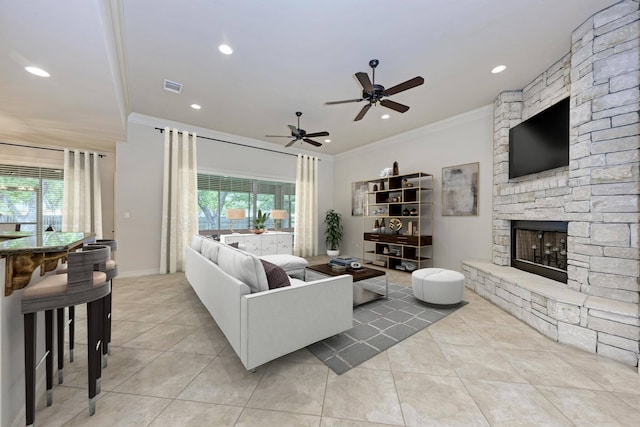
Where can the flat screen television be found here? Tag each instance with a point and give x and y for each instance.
(541, 142)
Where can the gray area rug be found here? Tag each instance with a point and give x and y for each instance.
(378, 325)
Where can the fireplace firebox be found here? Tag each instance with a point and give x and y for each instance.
(540, 247)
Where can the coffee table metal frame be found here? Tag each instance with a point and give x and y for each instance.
(360, 294)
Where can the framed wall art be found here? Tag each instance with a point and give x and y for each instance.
(460, 190)
(358, 193)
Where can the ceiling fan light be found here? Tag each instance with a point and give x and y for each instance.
(498, 69)
(37, 71)
(327, 140)
(225, 49)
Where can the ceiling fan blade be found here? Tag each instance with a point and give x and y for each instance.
(312, 142)
(416, 81)
(344, 102)
(294, 130)
(363, 78)
(312, 135)
(291, 143)
(362, 112)
(278, 136)
(394, 105)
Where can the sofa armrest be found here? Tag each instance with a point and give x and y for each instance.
(279, 321)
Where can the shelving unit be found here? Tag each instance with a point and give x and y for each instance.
(398, 222)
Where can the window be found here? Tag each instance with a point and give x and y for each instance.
(31, 197)
(217, 193)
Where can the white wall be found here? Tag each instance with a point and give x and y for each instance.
(138, 185)
(466, 138)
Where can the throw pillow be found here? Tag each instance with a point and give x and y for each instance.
(234, 244)
(276, 276)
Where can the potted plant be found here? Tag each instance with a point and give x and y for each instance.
(333, 231)
(260, 223)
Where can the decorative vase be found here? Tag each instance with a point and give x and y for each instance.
(395, 169)
(375, 187)
(382, 184)
(258, 230)
(333, 252)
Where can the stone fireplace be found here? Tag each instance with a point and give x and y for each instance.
(597, 196)
(540, 247)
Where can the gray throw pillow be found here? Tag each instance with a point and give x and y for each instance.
(276, 276)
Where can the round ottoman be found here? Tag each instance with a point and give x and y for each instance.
(438, 286)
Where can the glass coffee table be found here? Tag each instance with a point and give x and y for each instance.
(360, 294)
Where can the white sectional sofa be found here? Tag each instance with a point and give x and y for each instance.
(263, 324)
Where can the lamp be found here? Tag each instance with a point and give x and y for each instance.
(278, 215)
(234, 214)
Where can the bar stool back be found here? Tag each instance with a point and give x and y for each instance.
(81, 285)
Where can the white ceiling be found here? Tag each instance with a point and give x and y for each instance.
(109, 58)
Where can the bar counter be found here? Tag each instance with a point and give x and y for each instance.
(25, 253)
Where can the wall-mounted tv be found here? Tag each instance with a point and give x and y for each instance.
(541, 142)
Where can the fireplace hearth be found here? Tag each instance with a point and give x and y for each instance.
(540, 247)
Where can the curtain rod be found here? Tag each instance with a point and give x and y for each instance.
(45, 148)
(237, 143)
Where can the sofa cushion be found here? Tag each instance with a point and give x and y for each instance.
(210, 249)
(196, 242)
(243, 266)
(276, 276)
(286, 262)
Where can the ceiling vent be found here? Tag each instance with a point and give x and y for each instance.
(172, 86)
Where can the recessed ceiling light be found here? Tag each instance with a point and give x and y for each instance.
(385, 116)
(195, 106)
(37, 71)
(499, 69)
(226, 49)
(327, 140)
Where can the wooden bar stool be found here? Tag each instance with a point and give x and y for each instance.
(81, 285)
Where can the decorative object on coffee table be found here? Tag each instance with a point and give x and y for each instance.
(333, 232)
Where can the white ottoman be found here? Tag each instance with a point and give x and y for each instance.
(438, 286)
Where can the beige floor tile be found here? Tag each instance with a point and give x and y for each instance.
(205, 340)
(122, 364)
(453, 330)
(301, 356)
(160, 337)
(338, 422)
(291, 387)
(123, 331)
(167, 375)
(150, 313)
(363, 394)
(436, 401)
(225, 381)
(191, 316)
(481, 363)
(67, 403)
(545, 368)
(121, 410)
(196, 414)
(419, 354)
(508, 404)
(632, 400)
(594, 408)
(512, 336)
(379, 361)
(261, 418)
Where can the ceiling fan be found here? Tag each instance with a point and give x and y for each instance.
(373, 92)
(300, 134)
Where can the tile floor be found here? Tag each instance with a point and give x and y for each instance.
(172, 366)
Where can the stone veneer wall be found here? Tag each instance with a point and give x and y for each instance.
(598, 193)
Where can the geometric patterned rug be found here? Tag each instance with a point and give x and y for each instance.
(378, 325)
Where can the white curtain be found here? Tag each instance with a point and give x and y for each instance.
(82, 199)
(306, 227)
(179, 198)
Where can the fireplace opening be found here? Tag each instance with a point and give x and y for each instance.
(540, 247)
